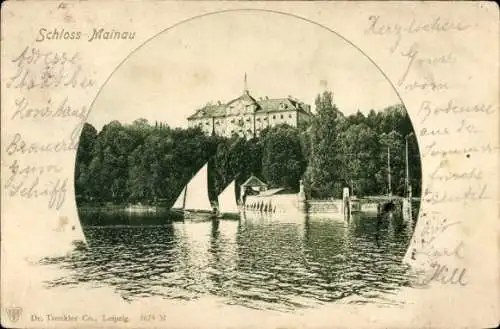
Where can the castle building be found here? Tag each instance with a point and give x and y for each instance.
(247, 117)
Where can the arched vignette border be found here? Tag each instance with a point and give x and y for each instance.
(213, 13)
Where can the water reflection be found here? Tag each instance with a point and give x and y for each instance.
(280, 263)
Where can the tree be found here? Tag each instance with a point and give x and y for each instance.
(359, 148)
(283, 163)
(322, 177)
(83, 159)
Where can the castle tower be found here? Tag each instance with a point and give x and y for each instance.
(245, 86)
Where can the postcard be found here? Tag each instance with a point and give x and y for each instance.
(249, 164)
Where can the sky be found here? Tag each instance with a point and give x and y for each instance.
(205, 60)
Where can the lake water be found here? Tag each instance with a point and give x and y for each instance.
(260, 262)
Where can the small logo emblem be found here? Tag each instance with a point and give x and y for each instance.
(14, 313)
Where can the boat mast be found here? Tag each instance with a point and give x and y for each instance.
(408, 185)
(407, 171)
(389, 173)
(184, 199)
(407, 204)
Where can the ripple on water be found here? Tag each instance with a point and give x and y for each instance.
(261, 264)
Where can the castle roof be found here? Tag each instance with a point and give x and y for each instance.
(263, 106)
(246, 98)
(218, 110)
(281, 104)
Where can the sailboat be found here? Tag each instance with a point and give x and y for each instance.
(193, 200)
(228, 207)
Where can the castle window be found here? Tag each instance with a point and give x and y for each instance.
(274, 117)
(290, 116)
(258, 119)
(232, 120)
(206, 123)
(282, 116)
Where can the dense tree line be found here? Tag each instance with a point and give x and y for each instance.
(148, 163)
(353, 151)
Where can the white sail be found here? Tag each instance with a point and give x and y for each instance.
(227, 200)
(179, 203)
(197, 191)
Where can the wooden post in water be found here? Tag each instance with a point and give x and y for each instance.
(346, 204)
(301, 197)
